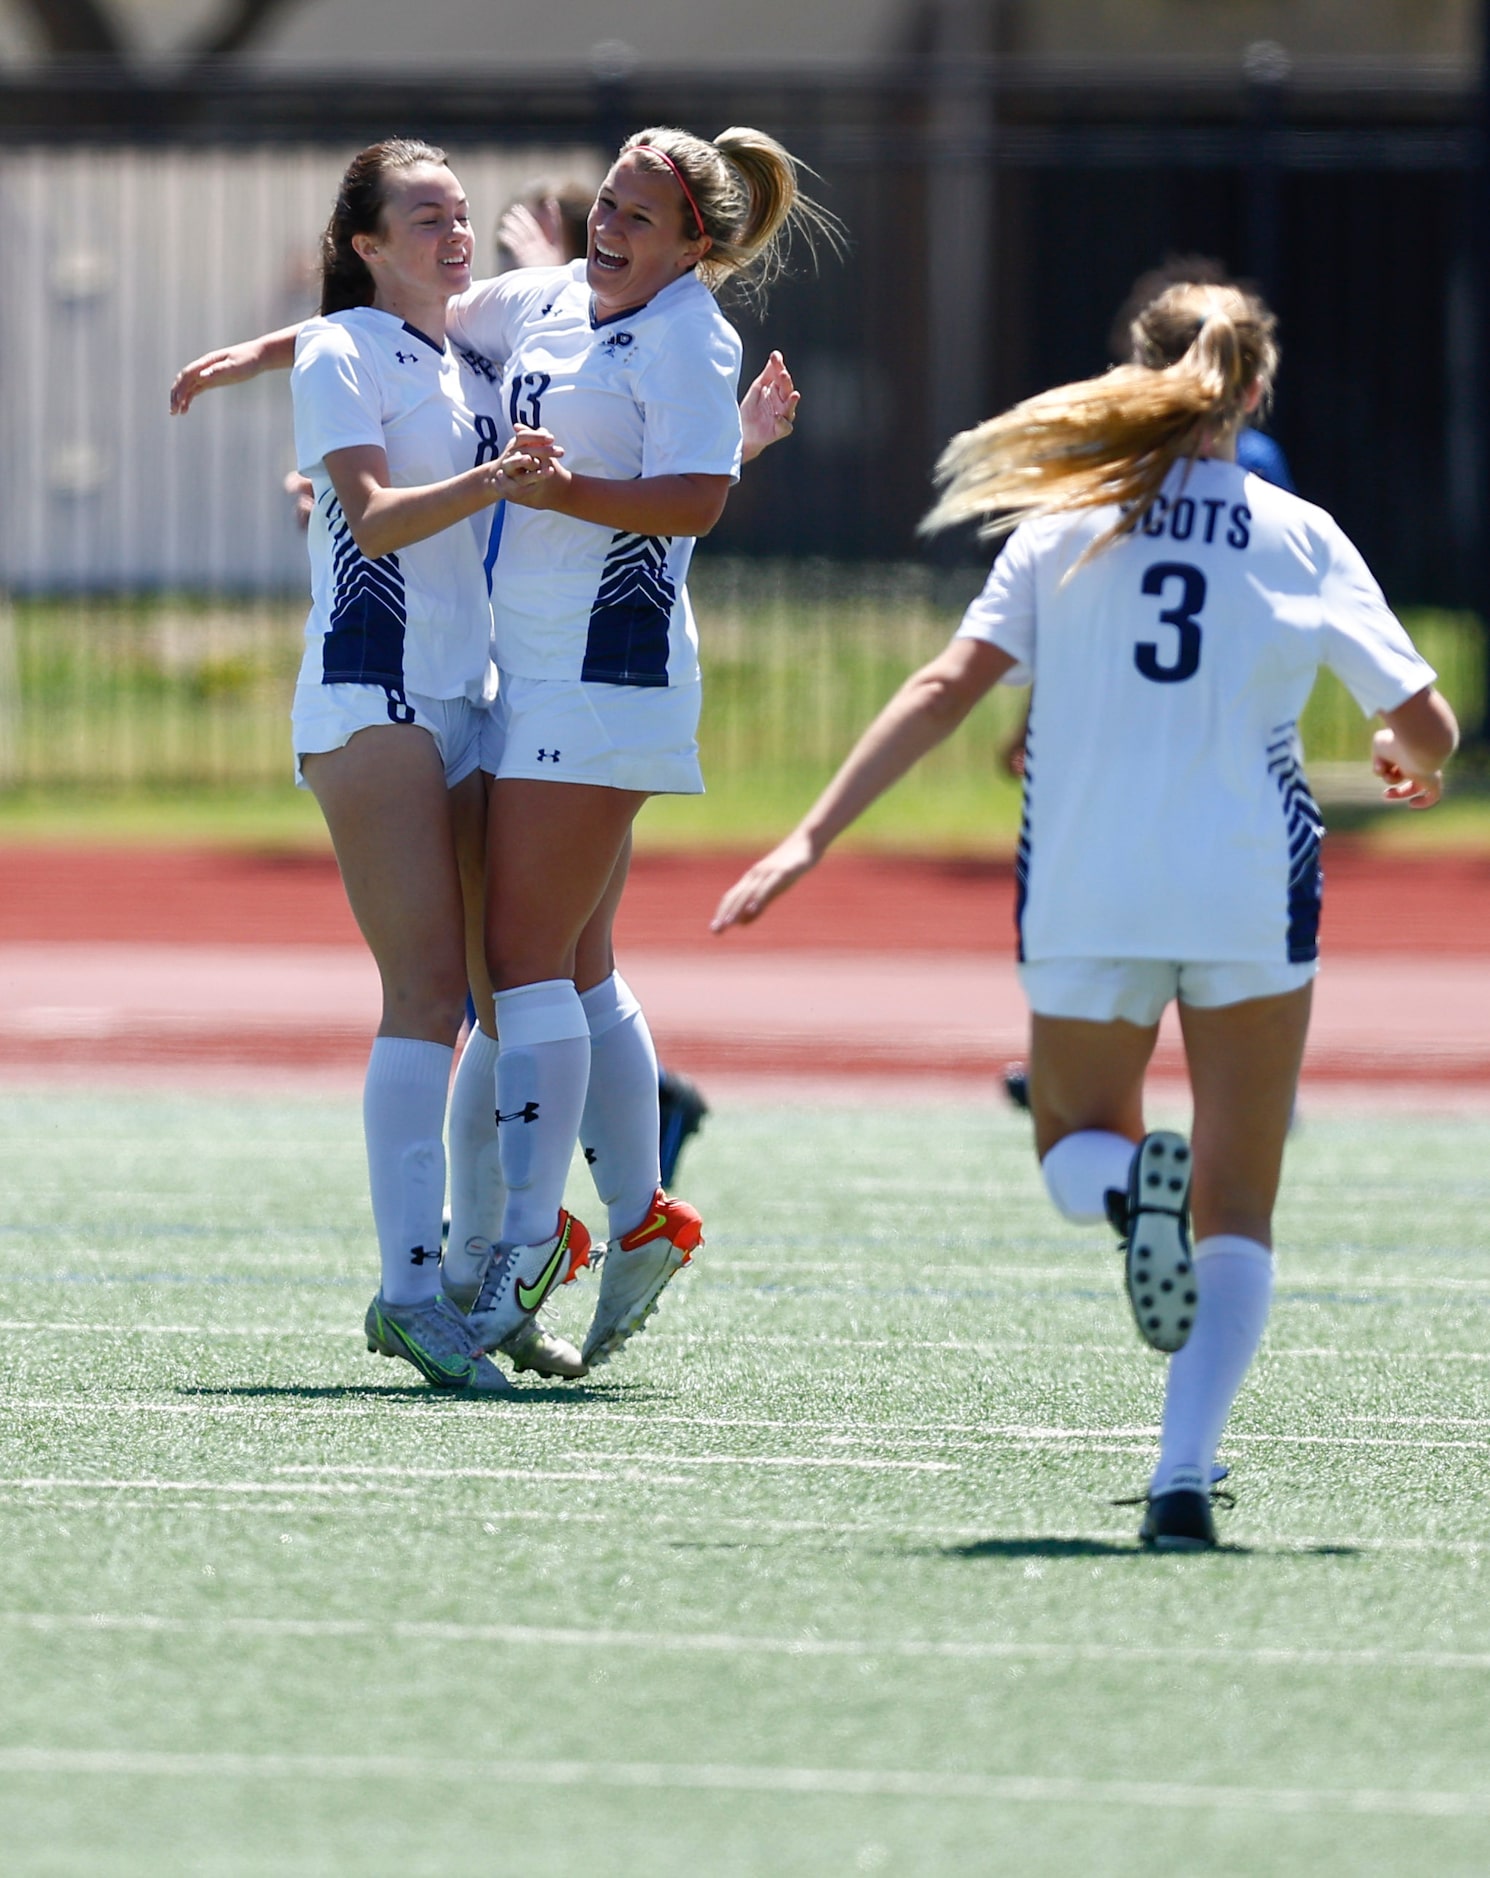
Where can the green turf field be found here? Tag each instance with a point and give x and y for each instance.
(821, 1578)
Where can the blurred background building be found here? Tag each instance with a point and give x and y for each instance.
(1005, 168)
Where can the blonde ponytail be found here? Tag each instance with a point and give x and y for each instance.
(1114, 439)
(742, 191)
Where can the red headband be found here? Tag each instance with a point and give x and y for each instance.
(698, 219)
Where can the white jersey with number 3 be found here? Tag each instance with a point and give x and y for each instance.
(1166, 812)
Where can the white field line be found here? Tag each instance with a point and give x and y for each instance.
(958, 1435)
(684, 1334)
(940, 1278)
(725, 1643)
(154, 1484)
(206, 1331)
(836, 1531)
(669, 1776)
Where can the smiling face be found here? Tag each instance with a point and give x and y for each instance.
(637, 241)
(421, 253)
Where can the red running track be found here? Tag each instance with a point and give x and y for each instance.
(157, 961)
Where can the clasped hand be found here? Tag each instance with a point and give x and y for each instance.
(529, 470)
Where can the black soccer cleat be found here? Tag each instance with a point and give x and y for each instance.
(1016, 1081)
(1178, 1521)
(1155, 1231)
(681, 1110)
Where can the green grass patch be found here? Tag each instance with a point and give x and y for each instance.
(167, 718)
(822, 1576)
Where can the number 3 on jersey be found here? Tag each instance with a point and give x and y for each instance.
(1182, 616)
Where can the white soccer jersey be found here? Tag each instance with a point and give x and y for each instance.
(647, 393)
(1166, 812)
(418, 620)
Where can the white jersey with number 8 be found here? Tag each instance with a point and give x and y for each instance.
(1166, 812)
(418, 620)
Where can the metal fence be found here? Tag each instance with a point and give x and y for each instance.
(194, 690)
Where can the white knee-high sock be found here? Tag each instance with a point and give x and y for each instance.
(476, 1188)
(543, 1070)
(403, 1117)
(1079, 1170)
(1234, 1277)
(619, 1128)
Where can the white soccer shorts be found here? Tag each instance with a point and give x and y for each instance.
(1137, 990)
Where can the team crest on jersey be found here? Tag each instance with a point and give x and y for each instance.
(483, 367)
(617, 342)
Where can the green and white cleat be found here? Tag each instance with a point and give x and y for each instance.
(520, 1279)
(436, 1339)
(634, 1270)
(534, 1346)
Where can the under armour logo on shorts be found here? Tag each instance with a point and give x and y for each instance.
(548, 756)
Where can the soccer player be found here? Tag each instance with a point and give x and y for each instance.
(366, 227)
(1255, 451)
(395, 681)
(621, 372)
(1171, 610)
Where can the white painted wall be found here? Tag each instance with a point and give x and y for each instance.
(119, 266)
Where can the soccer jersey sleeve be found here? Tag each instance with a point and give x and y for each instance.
(1366, 645)
(338, 399)
(689, 394)
(490, 314)
(1004, 612)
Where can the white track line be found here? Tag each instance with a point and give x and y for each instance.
(724, 1643)
(666, 1776)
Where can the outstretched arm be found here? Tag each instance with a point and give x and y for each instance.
(1409, 754)
(233, 365)
(924, 712)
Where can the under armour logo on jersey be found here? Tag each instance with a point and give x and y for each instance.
(527, 1113)
(548, 756)
(407, 358)
(421, 1255)
(544, 311)
(483, 367)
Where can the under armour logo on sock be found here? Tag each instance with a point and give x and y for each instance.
(527, 1113)
(421, 1255)
(548, 756)
(589, 1154)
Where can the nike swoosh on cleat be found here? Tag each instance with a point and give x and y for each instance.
(430, 1365)
(529, 1297)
